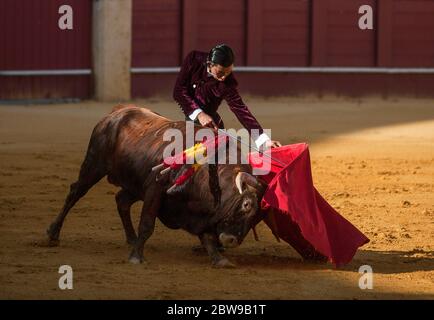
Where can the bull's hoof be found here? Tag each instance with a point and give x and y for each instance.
(135, 260)
(46, 242)
(224, 263)
(53, 235)
(52, 242)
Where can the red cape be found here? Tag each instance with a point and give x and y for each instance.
(301, 215)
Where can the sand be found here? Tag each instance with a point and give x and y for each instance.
(372, 159)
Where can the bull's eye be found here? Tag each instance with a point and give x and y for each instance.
(247, 205)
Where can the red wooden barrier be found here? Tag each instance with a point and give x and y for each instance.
(31, 40)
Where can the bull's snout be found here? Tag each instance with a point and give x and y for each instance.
(228, 241)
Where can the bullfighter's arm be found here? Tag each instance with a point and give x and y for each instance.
(180, 92)
(243, 114)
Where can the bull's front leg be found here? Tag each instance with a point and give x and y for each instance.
(151, 205)
(211, 244)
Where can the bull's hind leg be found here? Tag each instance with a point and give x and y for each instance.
(211, 244)
(90, 174)
(124, 201)
(151, 205)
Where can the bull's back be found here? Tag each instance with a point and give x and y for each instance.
(134, 144)
(131, 122)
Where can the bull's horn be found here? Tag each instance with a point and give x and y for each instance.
(244, 177)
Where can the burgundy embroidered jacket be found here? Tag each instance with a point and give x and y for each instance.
(195, 88)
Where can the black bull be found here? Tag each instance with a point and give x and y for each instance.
(125, 145)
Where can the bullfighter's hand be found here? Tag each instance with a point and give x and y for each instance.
(272, 144)
(206, 120)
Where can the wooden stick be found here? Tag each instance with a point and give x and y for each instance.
(157, 167)
(163, 172)
(171, 189)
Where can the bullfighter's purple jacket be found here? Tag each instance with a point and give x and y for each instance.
(196, 90)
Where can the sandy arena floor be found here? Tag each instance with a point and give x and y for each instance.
(372, 159)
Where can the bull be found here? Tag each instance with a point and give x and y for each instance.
(124, 146)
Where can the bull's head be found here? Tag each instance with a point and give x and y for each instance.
(231, 202)
(240, 209)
